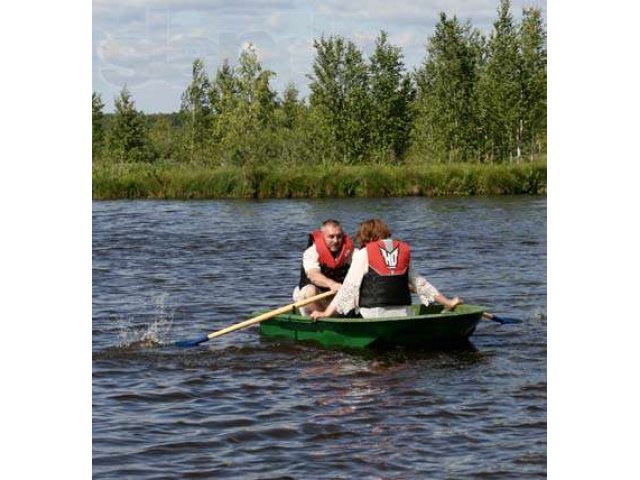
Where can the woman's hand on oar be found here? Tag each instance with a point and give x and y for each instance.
(260, 318)
(501, 320)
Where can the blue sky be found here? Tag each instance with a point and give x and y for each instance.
(149, 45)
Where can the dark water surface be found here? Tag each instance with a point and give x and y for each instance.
(251, 408)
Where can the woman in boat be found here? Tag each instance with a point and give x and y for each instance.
(380, 279)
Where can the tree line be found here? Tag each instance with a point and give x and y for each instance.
(474, 98)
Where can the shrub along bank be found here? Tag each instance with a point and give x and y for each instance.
(175, 181)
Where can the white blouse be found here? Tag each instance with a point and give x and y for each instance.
(348, 296)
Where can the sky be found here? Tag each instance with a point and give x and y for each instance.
(149, 45)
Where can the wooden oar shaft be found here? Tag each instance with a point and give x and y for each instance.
(271, 314)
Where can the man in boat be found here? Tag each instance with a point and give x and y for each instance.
(380, 279)
(325, 263)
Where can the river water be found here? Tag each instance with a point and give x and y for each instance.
(247, 407)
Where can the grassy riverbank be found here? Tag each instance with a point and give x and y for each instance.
(182, 182)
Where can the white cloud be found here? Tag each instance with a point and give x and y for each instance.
(411, 12)
(115, 12)
(276, 20)
(153, 42)
(200, 5)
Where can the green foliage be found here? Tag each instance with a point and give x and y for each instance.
(244, 105)
(196, 109)
(223, 95)
(97, 124)
(127, 137)
(473, 100)
(161, 134)
(182, 181)
(291, 109)
(533, 48)
(255, 92)
(500, 90)
(391, 94)
(339, 97)
(446, 125)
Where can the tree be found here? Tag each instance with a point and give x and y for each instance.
(244, 105)
(533, 49)
(127, 135)
(290, 106)
(162, 135)
(500, 90)
(298, 137)
(391, 94)
(97, 124)
(446, 124)
(196, 108)
(339, 96)
(223, 95)
(254, 89)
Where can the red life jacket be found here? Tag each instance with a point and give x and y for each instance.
(387, 281)
(335, 268)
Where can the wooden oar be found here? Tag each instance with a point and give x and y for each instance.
(500, 320)
(254, 320)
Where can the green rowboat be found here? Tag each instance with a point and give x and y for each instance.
(429, 327)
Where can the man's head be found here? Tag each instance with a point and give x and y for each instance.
(332, 235)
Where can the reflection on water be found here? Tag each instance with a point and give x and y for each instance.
(242, 406)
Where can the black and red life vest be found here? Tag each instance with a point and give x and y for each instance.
(333, 267)
(387, 281)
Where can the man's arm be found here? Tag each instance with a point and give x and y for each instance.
(347, 297)
(320, 280)
(311, 265)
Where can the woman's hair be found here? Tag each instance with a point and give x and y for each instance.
(371, 231)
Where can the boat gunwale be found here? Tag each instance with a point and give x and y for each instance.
(475, 310)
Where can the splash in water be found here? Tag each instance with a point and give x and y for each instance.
(151, 335)
(540, 314)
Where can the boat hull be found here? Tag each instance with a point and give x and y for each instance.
(429, 327)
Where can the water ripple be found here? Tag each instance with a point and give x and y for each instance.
(251, 408)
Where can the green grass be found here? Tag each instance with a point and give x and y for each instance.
(179, 181)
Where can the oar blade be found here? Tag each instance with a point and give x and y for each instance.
(500, 319)
(192, 343)
(506, 320)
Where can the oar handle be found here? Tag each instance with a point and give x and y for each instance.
(271, 314)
